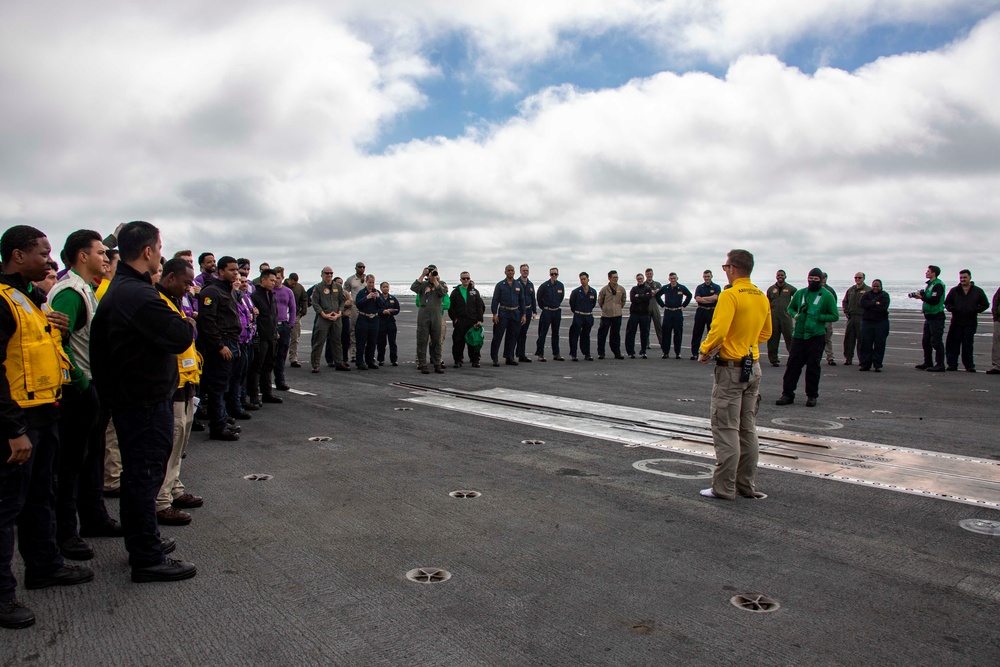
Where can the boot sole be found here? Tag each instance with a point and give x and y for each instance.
(149, 578)
(38, 585)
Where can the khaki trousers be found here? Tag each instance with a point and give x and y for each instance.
(996, 345)
(112, 459)
(172, 486)
(293, 346)
(828, 348)
(734, 430)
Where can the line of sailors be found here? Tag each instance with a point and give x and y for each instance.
(515, 303)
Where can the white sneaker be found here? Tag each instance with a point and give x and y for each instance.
(708, 493)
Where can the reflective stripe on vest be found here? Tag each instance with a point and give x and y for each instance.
(189, 361)
(939, 308)
(79, 340)
(36, 365)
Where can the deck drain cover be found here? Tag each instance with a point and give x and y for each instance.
(847, 419)
(981, 526)
(678, 468)
(856, 391)
(881, 412)
(428, 575)
(759, 604)
(402, 409)
(685, 400)
(532, 442)
(984, 391)
(601, 375)
(807, 422)
(257, 477)
(465, 494)
(320, 438)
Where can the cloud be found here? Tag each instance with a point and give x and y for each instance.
(668, 167)
(246, 129)
(135, 105)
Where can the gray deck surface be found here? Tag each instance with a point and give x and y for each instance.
(571, 556)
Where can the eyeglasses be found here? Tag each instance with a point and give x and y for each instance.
(859, 277)
(328, 273)
(553, 273)
(726, 266)
(466, 278)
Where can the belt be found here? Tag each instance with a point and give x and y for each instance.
(547, 308)
(706, 307)
(734, 363)
(678, 308)
(511, 307)
(577, 312)
(370, 316)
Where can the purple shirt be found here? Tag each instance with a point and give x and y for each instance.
(285, 299)
(188, 305)
(244, 309)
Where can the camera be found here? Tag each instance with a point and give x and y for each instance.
(916, 295)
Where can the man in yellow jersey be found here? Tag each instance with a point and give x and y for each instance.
(34, 370)
(742, 321)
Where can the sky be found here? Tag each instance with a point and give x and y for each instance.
(585, 134)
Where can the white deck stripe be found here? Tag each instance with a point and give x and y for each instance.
(961, 479)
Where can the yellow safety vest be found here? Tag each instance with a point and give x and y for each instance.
(188, 362)
(36, 366)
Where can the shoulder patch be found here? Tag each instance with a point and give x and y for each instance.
(208, 301)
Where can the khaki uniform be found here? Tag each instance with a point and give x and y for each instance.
(352, 286)
(828, 348)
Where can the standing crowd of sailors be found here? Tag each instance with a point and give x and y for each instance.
(105, 364)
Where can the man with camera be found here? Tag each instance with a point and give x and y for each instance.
(932, 297)
(431, 291)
